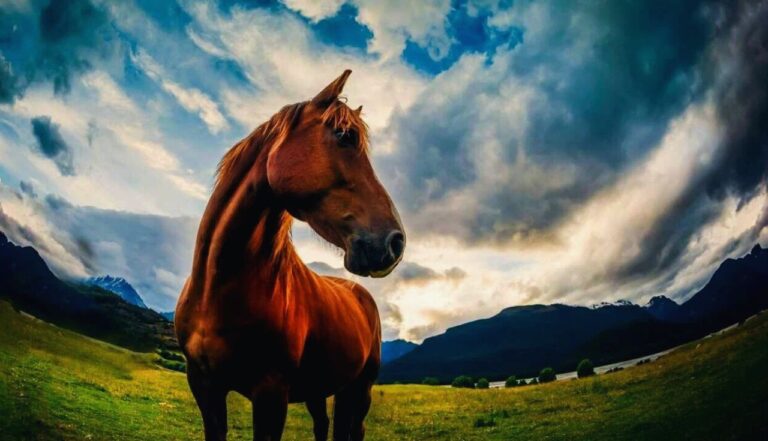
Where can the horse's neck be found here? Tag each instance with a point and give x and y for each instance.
(248, 234)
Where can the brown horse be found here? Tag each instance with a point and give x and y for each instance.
(252, 318)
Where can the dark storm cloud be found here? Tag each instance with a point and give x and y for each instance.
(413, 272)
(586, 96)
(28, 189)
(56, 41)
(9, 89)
(56, 202)
(741, 99)
(51, 144)
(596, 87)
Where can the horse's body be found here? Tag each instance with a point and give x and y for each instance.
(252, 318)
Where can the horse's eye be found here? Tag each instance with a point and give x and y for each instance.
(345, 138)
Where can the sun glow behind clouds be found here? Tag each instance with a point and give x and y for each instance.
(557, 153)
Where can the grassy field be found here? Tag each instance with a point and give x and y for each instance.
(55, 384)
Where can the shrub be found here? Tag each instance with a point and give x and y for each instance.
(534, 380)
(483, 384)
(168, 355)
(484, 422)
(430, 381)
(172, 365)
(463, 381)
(585, 369)
(521, 383)
(546, 375)
(511, 381)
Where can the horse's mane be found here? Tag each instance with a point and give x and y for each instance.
(234, 163)
(245, 152)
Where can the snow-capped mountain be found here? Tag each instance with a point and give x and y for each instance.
(119, 286)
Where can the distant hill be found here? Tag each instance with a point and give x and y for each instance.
(518, 340)
(521, 340)
(394, 349)
(738, 289)
(662, 308)
(168, 315)
(31, 287)
(119, 286)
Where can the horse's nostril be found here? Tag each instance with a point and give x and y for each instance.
(395, 244)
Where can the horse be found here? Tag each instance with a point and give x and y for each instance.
(252, 318)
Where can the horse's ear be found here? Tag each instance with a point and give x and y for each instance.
(331, 91)
(358, 110)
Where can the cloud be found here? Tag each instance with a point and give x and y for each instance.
(64, 40)
(8, 87)
(395, 22)
(514, 142)
(51, 144)
(19, 233)
(538, 151)
(193, 100)
(740, 63)
(387, 292)
(154, 253)
(27, 188)
(315, 10)
(299, 70)
(326, 270)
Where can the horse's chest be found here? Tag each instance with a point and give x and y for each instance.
(256, 343)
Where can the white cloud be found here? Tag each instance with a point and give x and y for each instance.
(315, 10)
(113, 142)
(299, 69)
(395, 22)
(191, 99)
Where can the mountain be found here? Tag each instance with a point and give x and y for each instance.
(662, 308)
(168, 315)
(119, 286)
(31, 287)
(393, 349)
(521, 340)
(738, 289)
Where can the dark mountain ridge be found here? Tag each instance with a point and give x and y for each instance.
(394, 349)
(662, 308)
(523, 339)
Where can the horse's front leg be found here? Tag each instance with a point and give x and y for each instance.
(319, 412)
(270, 405)
(212, 402)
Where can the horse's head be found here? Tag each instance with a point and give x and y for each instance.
(321, 171)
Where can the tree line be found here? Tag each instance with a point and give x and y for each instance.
(584, 369)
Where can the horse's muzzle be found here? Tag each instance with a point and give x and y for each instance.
(374, 255)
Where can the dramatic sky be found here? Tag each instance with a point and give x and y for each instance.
(539, 151)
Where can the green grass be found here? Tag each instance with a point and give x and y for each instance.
(55, 384)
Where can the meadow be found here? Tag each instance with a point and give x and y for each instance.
(59, 385)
